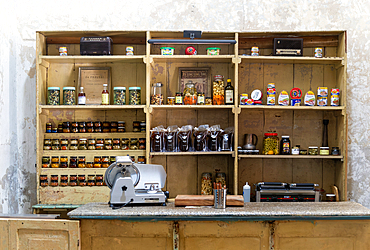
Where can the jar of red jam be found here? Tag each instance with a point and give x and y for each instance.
(73, 162)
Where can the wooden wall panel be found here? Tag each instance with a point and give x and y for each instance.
(251, 171)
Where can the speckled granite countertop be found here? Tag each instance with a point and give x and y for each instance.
(251, 211)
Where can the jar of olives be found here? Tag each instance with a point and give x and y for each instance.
(271, 144)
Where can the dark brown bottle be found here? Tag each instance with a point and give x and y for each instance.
(229, 93)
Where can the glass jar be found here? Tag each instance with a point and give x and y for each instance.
(82, 127)
(74, 141)
(54, 183)
(135, 95)
(201, 99)
(324, 150)
(44, 183)
(171, 100)
(73, 162)
(82, 145)
(206, 184)
(47, 144)
(116, 144)
(142, 143)
(270, 144)
(208, 100)
(89, 164)
(156, 97)
(81, 162)
(132, 157)
(112, 160)
(121, 127)
(285, 145)
(97, 127)
(63, 183)
(99, 180)
(69, 96)
(97, 162)
(91, 144)
(74, 127)
(60, 127)
(73, 147)
(43, 177)
(313, 150)
(46, 162)
(64, 144)
(90, 127)
(81, 180)
(53, 95)
(73, 183)
(63, 162)
(91, 180)
(218, 87)
(73, 177)
(220, 178)
(178, 99)
(136, 126)
(119, 95)
(99, 146)
(142, 126)
(106, 129)
(134, 144)
(190, 94)
(54, 130)
(48, 127)
(105, 161)
(141, 160)
(54, 177)
(55, 144)
(125, 144)
(335, 151)
(55, 161)
(66, 127)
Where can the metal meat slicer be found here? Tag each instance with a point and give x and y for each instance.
(132, 183)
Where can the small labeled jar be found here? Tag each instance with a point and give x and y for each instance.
(81, 180)
(43, 177)
(141, 160)
(97, 162)
(112, 160)
(113, 127)
(335, 151)
(82, 145)
(74, 127)
(129, 51)
(91, 144)
(324, 150)
(54, 177)
(72, 183)
(55, 144)
(55, 161)
(99, 180)
(54, 183)
(69, 96)
(90, 127)
(73, 177)
(53, 95)
(171, 100)
(63, 162)
(82, 127)
(125, 144)
(116, 144)
(73, 147)
(81, 162)
(178, 99)
(134, 144)
(44, 183)
(136, 126)
(47, 144)
(54, 130)
(89, 164)
(208, 100)
(64, 144)
(73, 162)
(91, 180)
(121, 126)
(63, 183)
(46, 162)
(119, 95)
(97, 127)
(48, 127)
(106, 129)
(66, 127)
(60, 127)
(296, 150)
(105, 161)
(312, 150)
(135, 95)
(132, 157)
(201, 99)
(142, 126)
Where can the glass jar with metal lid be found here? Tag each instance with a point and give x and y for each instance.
(91, 144)
(55, 161)
(270, 144)
(156, 97)
(178, 99)
(201, 99)
(135, 95)
(74, 127)
(82, 144)
(55, 144)
(89, 164)
(63, 162)
(81, 162)
(105, 161)
(47, 144)
(218, 87)
(134, 144)
(46, 161)
(53, 95)
(64, 144)
(141, 159)
(69, 96)
(313, 150)
(119, 95)
(91, 180)
(190, 94)
(136, 126)
(206, 184)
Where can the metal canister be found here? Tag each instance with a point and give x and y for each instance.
(129, 51)
(318, 52)
(255, 51)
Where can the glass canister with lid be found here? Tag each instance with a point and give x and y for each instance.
(53, 95)
(119, 95)
(156, 97)
(69, 96)
(218, 86)
(206, 188)
(135, 95)
(190, 94)
(270, 144)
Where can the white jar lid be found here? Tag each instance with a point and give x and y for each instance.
(69, 88)
(134, 88)
(119, 88)
(53, 88)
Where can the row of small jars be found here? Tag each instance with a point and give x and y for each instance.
(95, 144)
(80, 161)
(74, 180)
(69, 96)
(94, 127)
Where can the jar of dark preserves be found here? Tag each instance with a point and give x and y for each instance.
(89, 127)
(73, 162)
(81, 162)
(136, 126)
(82, 127)
(66, 127)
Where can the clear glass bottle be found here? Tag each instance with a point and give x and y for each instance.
(105, 95)
(229, 93)
(190, 94)
(81, 97)
(156, 97)
(218, 87)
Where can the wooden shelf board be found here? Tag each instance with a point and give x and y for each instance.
(69, 171)
(94, 135)
(333, 157)
(193, 153)
(326, 108)
(192, 106)
(291, 59)
(193, 58)
(93, 59)
(91, 107)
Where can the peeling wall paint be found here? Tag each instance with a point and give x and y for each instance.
(18, 65)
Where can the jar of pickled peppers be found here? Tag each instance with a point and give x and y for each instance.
(270, 144)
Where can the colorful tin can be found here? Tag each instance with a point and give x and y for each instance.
(322, 101)
(255, 51)
(62, 51)
(129, 51)
(318, 52)
(167, 51)
(271, 100)
(213, 51)
(243, 99)
(322, 91)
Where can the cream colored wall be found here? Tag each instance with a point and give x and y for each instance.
(21, 19)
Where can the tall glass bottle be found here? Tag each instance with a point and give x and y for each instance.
(229, 93)
(81, 97)
(105, 95)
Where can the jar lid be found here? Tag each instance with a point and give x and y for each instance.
(327, 148)
(218, 76)
(330, 195)
(55, 157)
(157, 84)
(104, 156)
(178, 93)
(53, 88)
(121, 122)
(119, 88)
(171, 97)
(271, 134)
(285, 136)
(313, 147)
(167, 48)
(69, 88)
(134, 88)
(73, 157)
(213, 48)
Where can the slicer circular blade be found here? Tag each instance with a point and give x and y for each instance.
(114, 171)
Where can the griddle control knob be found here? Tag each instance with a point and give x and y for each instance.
(124, 188)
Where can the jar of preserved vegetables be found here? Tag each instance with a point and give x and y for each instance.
(112, 159)
(74, 127)
(206, 184)
(81, 162)
(91, 180)
(53, 95)
(271, 144)
(91, 144)
(47, 144)
(46, 161)
(218, 88)
(134, 144)
(73, 162)
(69, 97)
(64, 144)
(141, 159)
(82, 144)
(190, 94)
(220, 178)
(55, 144)
(135, 95)
(63, 162)
(82, 127)
(119, 95)
(89, 127)
(89, 164)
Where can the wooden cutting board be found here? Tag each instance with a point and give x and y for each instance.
(206, 200)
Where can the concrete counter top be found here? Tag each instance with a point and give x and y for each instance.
(251, 211)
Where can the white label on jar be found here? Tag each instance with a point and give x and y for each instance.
(82, 100)
(229, 98)
(295, 151)
(201, 99)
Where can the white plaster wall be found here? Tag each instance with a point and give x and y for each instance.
(21, 19)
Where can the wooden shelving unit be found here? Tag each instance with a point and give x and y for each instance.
(303, 124)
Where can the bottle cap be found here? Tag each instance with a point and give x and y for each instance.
(246, 183)
(229, 80)
(105, 84)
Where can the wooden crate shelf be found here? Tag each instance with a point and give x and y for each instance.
(330, 157)
(193, 153)
(92, 59)
(294, 60)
